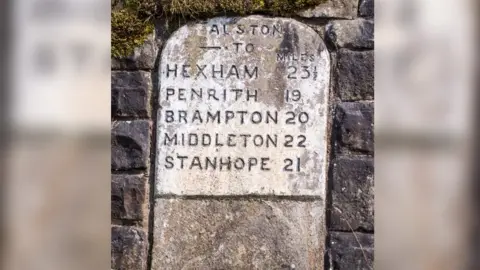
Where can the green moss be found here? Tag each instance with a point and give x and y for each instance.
(208, 8)
(132, 23)
(289, 7)
(132, 20)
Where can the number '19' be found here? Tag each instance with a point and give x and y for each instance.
(293, 95)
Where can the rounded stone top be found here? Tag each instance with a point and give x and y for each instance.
(289, 30)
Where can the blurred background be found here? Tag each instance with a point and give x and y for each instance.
(56, 112)
(425, 102)
(57, 193)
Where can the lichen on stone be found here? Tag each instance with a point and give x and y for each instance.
(133, 20)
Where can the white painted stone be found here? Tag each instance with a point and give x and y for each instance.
(224, 41)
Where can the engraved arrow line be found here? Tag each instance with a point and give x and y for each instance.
(211, 47)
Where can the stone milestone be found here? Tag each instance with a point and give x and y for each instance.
(243, 109)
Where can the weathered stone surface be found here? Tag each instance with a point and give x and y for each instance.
(354, 75)
(332, 9)
(129, 248)
(349, 251)
(351, 33)
(143, 57)
(238, 234)
(354, 121)
(366, 8)
(130, 93)
(128, 197)
(130, 144)
(258, 105)
(352, 194)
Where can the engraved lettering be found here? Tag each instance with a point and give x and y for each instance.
(243, 109)
(172, 69)
(168, 140)
(214, 29)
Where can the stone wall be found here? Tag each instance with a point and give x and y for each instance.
(347, 28)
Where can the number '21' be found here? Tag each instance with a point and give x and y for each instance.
(291, 165)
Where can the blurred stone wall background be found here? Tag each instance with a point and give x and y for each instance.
(57, 129)
(425, 96)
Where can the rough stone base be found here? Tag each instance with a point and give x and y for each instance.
(238, 234)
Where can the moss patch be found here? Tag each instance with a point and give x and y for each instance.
(209, 8)
(133, 20)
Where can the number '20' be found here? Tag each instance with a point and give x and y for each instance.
(293, 118)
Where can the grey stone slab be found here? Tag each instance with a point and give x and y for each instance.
(354, 75)
(129, 248)
(238, 234)
(351, 251)
(356, 34)
(352, 194)
(354, 123)
(243, 109)
(130, 144)
(346, 9)
(128, 197)
(130, 93)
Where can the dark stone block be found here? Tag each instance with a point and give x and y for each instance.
(354, 121)
(354, 75)
(129, 248)
(128, 197)
(130, 93)
(130, 144)
(366, 8)
(143, 57)
(352, 194)
(351, 251)
(331, 9)
(357, 34)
